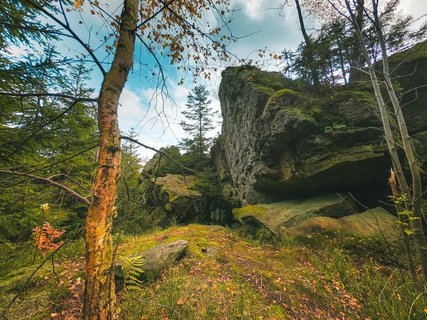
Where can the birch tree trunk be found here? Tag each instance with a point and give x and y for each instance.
(309, 46)
(388, 133)
(416, 194)
(99, 298)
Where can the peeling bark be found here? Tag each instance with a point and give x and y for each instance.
(100, 301)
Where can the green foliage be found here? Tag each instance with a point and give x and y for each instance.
(333, 51)
(385, 293)
(334, 128)
(21, 13)
(167, 165)
(132, 272)
(43, 135)
(199, 121)
(374, 248)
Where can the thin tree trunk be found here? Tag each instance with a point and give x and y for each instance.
(416, 197)
(309, 45)
(99, 299)
(200, 133)
(356, 54)
(388, 133)
(403, 220)
(341, 58)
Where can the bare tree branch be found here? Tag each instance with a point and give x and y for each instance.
(47, 94)
(69, 179)
(72, 193)
(73, 34)
(158, 151)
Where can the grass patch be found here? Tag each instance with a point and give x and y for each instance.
(224, 275)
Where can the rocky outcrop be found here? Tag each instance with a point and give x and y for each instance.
(278, 143)
(322, 213)
(176, 195)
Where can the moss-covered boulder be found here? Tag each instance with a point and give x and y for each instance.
(278, 143)
(291, 213)
(177, 195)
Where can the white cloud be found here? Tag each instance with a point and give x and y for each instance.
(416, 8)
(257, 9)
(253, 8)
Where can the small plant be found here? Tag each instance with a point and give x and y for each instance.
(334, 128)
(45, 238)
(132, 271)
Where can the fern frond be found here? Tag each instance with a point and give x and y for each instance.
(132, 271)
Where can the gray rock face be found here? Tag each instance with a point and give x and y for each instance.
(278, 143)
(160, 257)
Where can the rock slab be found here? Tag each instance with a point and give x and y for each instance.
(291, 213)
(367, 223)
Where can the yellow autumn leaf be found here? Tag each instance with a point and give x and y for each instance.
(44, 207)
(78, 4)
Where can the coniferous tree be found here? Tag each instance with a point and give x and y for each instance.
(45, 136)
(199, 121)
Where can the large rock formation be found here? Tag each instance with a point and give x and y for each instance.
(278, 143)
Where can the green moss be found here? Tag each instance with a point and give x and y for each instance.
(273, 80)
(264, 81)
(418, 51)
(283, 92)
(175, 185)
(363, 97)
(300, 113)
(265, 89)
(255, 210)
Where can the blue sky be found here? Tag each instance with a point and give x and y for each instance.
(255, 18)
(157, 121)
(268, 29)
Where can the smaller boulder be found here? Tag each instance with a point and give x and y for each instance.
(178, 196)
(371, 221)
(157, 258)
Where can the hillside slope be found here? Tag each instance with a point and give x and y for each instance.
(226, 276)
